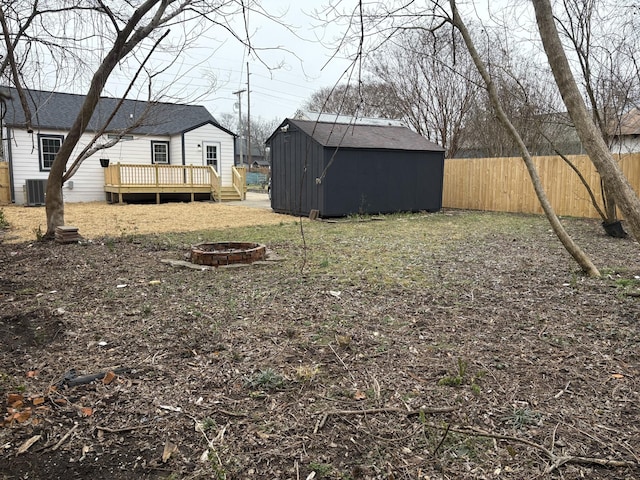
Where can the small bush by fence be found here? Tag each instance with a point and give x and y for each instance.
(503, 184)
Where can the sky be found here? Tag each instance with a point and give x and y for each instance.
(295, 57)
(287, 69)
(305, 63)
(292, 59)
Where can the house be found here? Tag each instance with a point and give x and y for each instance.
(340, 169)
(260, 163)
(626, 134)
(157, 139)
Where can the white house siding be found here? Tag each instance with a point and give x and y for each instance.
(88, 183)
(626, 144)
(194, 155)
(175, 150)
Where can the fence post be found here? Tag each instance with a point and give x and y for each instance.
(157, 184)
(119, 180)
(5, 186)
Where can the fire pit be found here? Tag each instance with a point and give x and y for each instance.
(227, 253)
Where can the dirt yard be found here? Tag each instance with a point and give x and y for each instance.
(100, 219)
(458, 345)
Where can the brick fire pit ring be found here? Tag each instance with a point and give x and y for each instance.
(216, 254)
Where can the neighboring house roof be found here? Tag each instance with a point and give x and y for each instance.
(629, 124)
(335, 118)
(330, 134)
(58, 111)
(260, 162)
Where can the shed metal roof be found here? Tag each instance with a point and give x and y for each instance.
(351, 120)
(385, 137)
(58, 111)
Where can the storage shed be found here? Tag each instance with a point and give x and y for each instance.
(341, 169)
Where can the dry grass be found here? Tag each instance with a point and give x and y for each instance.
(99, 219)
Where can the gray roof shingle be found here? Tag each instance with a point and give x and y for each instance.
(58, 111)
(387, 137)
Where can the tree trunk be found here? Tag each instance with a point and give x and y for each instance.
(54, 205)
(610, 210)
(127, 38)
(576, 252)
(615, 182)
(55, 199)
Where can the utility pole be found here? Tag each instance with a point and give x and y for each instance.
(248, 120)
(239, 93)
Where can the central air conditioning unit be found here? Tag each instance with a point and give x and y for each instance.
(36, 192)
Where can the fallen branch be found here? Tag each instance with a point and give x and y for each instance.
(71, 379)
(556, 461)
(371, 411)
(408, 413)
(341, 361)
(603, 462)
(320, 423)
(120, 430)
(444, 436)
(64, 438)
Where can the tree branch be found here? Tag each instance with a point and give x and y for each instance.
(14, 72)
(88, 150)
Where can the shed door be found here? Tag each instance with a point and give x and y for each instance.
(211, 155)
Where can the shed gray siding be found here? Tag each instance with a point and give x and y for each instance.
(295, 151)
(383, 181)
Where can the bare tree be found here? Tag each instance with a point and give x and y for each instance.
(433, 83)
(386, 20)
(96, 38)
(368, 98)
(592, 139)
(228, 121)
(604, 45)
(261, 129)
(522, 97)
(576, 252)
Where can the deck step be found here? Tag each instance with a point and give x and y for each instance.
(229, 194)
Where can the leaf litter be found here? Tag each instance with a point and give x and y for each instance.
(453, 345)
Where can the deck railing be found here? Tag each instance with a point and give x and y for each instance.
(240, 181)
(127, 178)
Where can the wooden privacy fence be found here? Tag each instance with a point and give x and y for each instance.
(504, 185)
(5, 187)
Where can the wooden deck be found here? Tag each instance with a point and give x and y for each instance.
(121, 179)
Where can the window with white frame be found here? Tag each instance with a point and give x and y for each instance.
(159, 152)
(48, 147)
